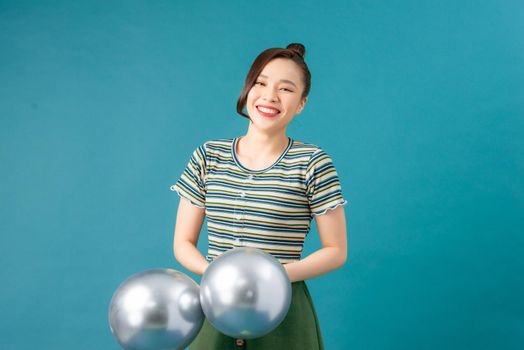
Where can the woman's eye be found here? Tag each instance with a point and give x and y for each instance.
(263, 84)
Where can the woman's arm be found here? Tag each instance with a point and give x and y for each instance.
(189, 221)
(333, 254)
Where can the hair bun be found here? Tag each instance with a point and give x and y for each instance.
(298, 48)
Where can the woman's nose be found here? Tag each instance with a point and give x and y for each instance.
(269, 94)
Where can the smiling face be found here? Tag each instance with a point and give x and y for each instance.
(276, 96)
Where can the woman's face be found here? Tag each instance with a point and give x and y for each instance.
(276, 96)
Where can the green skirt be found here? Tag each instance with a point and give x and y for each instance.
(300, 329)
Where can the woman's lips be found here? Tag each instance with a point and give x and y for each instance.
(267, 111)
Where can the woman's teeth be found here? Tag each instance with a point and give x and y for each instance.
(270, 111)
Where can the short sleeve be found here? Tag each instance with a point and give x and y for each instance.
(191, 185)
(323, 187)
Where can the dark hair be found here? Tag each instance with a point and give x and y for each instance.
(294, 52)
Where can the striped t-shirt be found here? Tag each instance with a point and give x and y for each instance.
(269, 209)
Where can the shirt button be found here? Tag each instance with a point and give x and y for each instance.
(242, 194)
(238, 217)
(250, 177)
(240, 342)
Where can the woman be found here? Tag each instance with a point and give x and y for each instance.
(262, 190)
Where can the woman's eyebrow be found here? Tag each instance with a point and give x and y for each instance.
(282, 80)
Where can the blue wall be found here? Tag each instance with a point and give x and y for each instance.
(420, 105)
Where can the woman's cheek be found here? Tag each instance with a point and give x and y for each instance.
(251, 94)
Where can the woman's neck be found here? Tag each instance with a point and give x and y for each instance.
(259, 145)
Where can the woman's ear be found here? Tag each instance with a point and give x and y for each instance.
(301, 105)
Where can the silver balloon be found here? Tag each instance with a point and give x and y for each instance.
(156, 309)
(245, 293)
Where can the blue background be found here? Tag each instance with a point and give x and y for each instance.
(420, 104)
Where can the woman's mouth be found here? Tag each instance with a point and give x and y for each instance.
(267, 112)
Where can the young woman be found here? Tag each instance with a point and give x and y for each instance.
(262, 190)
